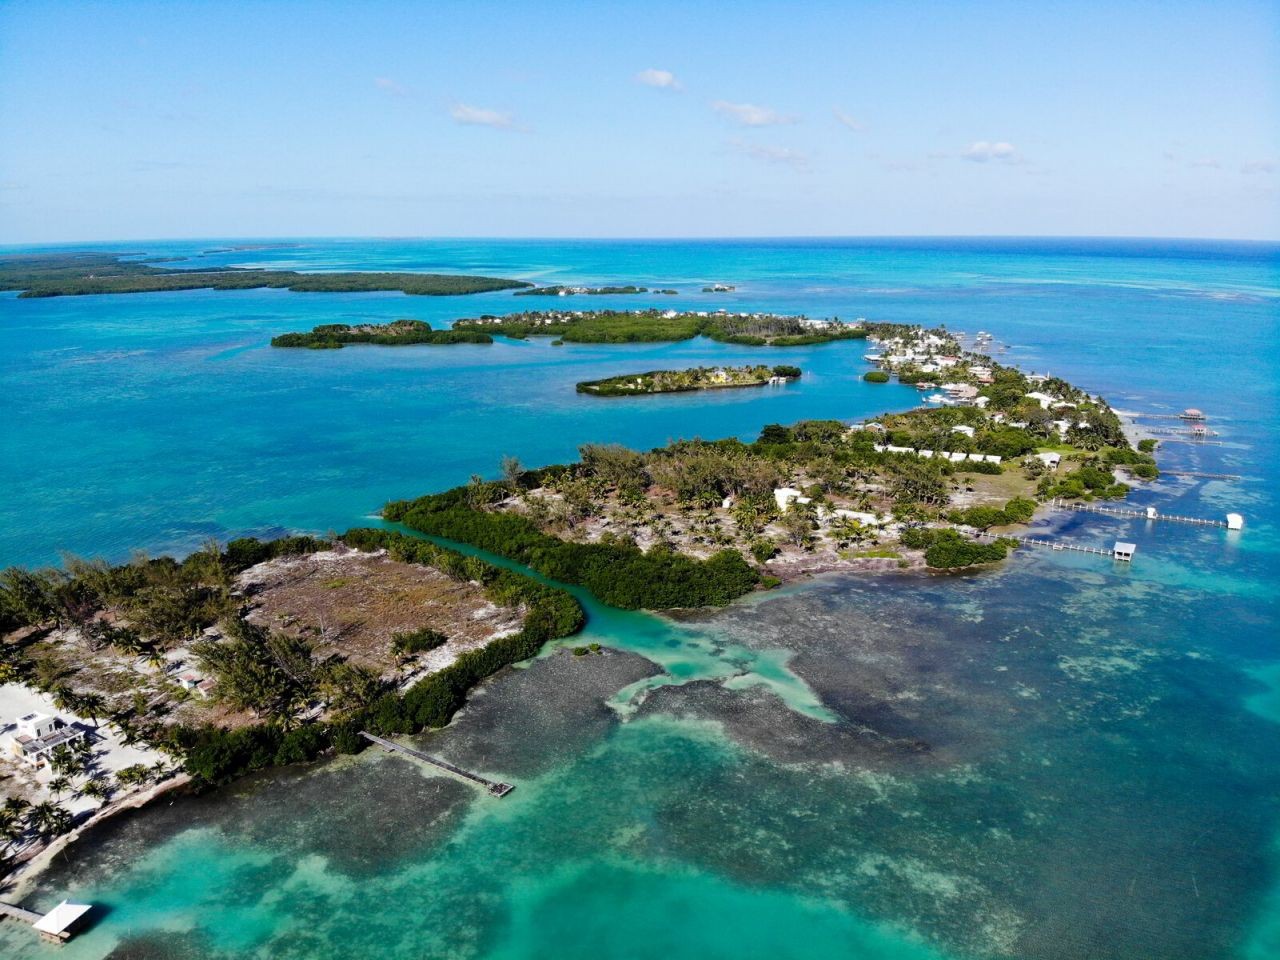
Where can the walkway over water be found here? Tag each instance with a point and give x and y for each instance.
(1198, 474)
(19, 913)
(1050, 544)
(492, 786)
(1149, 514)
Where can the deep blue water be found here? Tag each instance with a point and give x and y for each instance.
(1104, 765)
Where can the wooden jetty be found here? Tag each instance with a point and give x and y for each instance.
(1199, 474)
(1198, 441)
(1149, 514)
(1198, 433)
(492, 786)
(1058, 545)
(20, 913)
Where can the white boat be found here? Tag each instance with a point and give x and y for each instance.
(871, 357)
(935, 398)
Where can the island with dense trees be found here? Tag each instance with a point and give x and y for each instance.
(661, 326)
(683, 381)
(76, 274)
(398, 333)
(257, 654)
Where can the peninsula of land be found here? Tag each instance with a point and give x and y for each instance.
(684, 381)
(660, 326)
(77, 274)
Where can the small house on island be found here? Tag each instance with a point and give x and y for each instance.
(1050, 459)
(1124, 551)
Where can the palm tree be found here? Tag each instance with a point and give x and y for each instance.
(98, 789)
(58, 786)
(43, 816)
(64, 698)
(92, 705)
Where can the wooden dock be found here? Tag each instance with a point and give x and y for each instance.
(1199, 474)
(1199, 442)
(492, 786)
(20, 913)
(1196, 434)
(1134, 514)
(1048, 544)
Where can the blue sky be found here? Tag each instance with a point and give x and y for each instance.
(135, 120)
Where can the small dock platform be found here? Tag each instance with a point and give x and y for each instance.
(492, 787)
(58, 925)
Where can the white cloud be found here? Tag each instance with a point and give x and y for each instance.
(480, 117)
(749, 115)
(980, 151)
(1258, 166)
(853, 123)
(664, 79)
(1205, 163)
(390, 86)
(767, 153)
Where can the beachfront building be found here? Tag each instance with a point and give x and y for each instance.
(37, 735)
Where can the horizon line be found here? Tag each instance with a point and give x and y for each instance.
(710, 238)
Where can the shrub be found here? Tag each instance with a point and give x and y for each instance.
(1147, 445)
(876, 376)
(408, 642)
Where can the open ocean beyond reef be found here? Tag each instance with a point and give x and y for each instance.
(1061, 758)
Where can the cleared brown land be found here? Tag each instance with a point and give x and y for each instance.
(352, 603)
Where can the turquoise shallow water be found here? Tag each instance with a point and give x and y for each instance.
(1058, 759)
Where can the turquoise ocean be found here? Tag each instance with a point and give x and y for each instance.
(1062, 758)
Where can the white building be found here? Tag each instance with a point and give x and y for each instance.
(37, 735)
(784, 496)
(1050, 460)
(962, 428)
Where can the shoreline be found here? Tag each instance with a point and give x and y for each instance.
(33, 862)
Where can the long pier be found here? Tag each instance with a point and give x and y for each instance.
(1151, 514)
(1197, 434)
(1199, 474)
(1197, 441)
(492, 786)
(1049, 544)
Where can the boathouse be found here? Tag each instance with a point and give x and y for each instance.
(60, 923)
(1124, 551)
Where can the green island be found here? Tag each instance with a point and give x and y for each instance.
(683, 381)
(659, 326)
(334, 336)
(919, 488)
(78, 274)
(259, 654)
(564, 291)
